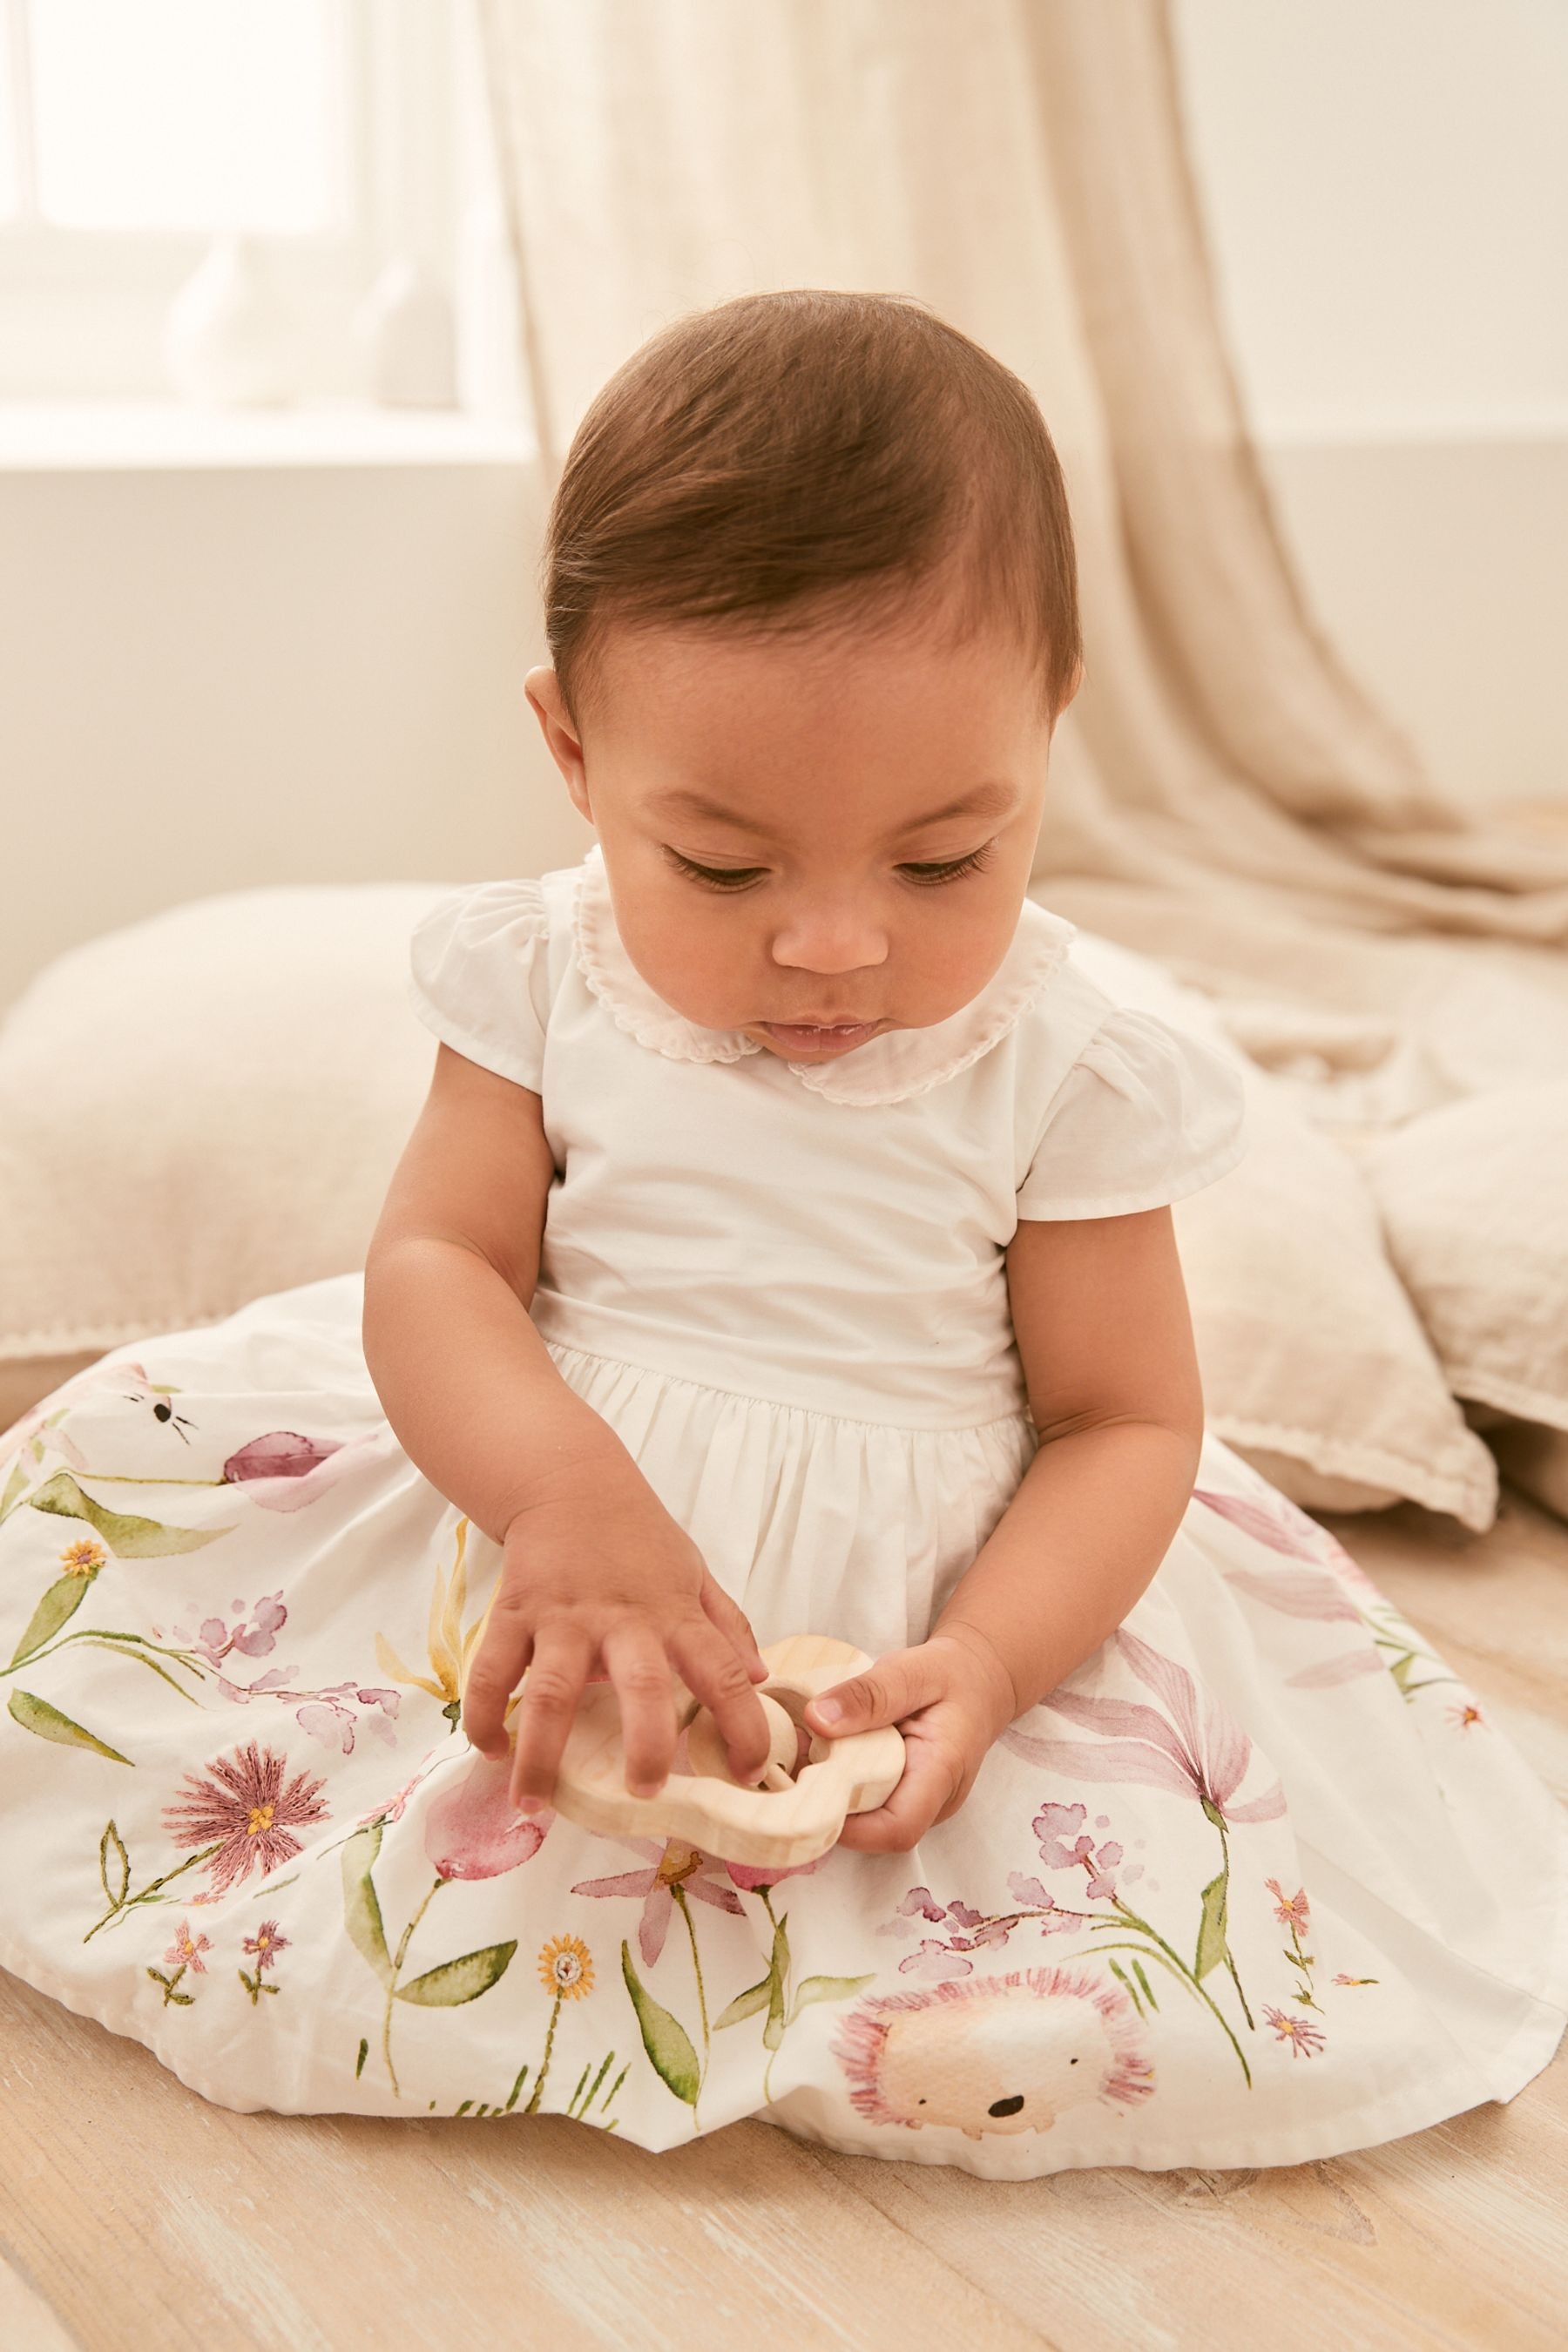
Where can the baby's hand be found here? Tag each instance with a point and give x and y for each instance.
(599, 1583)
(950, 1699)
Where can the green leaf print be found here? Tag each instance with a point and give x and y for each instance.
(455, 1982)
(827, 1989)
(1212, 1943)
(361, 1909)
(772, 2031)
(113, 1843)
(128, 1537)
(62, 1601)
(13, 1486)
(746, 2004)
(665, 2039)
(35, 1714)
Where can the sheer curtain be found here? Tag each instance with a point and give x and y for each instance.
(1224, 796)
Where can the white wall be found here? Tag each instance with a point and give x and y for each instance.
(222, 674)
(1386, 191)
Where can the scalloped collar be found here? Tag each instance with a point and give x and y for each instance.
(888, 1068)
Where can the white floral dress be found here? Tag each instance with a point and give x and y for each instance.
(1259, 1882)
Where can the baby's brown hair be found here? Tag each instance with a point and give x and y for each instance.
(786, 460)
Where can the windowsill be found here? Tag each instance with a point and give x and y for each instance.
(113, 436)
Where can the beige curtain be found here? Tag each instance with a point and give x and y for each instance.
(1224, 796)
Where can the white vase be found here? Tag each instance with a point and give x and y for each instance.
(230, 338)
(405, 338)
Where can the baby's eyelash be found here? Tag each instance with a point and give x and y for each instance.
(715, 877)
(927, 875)
(949, 870)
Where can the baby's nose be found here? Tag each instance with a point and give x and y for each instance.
(831, 940)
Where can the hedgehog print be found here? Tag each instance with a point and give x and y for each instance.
(1002, 2054)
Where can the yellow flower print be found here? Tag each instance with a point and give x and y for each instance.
(566, 1968)
(450, 1648)
(84, 1558)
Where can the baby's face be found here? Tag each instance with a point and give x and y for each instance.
(814, 841)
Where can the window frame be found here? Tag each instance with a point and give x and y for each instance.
(82, 311)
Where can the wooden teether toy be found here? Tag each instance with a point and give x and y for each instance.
(792, 1817)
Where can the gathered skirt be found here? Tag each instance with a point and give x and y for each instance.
(1261, 1882)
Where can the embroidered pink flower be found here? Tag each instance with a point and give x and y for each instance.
(1306, 2039)
(245, 1806)
(186, 1951)
(665, 1868)
(1194, 1749)
(1466, 1716)
(474, 1831)
(265, 1944)
(1290, 1910)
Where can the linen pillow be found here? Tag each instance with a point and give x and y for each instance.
(1474, 1199)
(198, 1107)
(1315, 1364)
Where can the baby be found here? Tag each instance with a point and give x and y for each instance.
(785, 1248)
(810, 599)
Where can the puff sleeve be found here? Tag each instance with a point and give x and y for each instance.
(479, 975)
(1146, 1115)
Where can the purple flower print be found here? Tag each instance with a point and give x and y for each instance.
(665, 1868)
(1196, 1749)
(474, 1830)
(255, 1634)
(328, 1717)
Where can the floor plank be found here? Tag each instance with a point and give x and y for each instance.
(132, 2213)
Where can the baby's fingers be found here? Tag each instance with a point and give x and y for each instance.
(731, 1619)
(895, 1687)
(637, 1665)
(929, 1780)
(714, 1671)
(497, 1669)
(546, 1711)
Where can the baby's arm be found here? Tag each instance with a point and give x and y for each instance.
(596, 1577)
(1099, 1312)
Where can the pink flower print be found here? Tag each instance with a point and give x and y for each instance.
(327, 1717)
(284, 1471)
(1292, 1910)
(393, 1809)
(474, 1830)
(186, 1951)
(265, 1944)
(1306, 2039)
(666, 1867)
(749, 1880)
(940, 1963)
(1272, 1519)
(1054, 1824)
(1466, 1716)
(247, 1808)
(1200, 1751)
(254, 1634)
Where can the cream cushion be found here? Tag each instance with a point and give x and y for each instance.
(1474, 1199)
(197, 1108)
(1315, 1364)
(208, 1105)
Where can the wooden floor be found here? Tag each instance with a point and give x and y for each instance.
(132, 2214)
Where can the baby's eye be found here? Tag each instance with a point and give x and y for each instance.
(715, 877)
(948, 869)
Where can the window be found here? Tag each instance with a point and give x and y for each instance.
(134, 132)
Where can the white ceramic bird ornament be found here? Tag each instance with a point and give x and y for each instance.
(798, 1809)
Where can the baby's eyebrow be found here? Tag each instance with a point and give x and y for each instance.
(981, 799)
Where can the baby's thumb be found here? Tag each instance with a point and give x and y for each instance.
(885, 1693)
